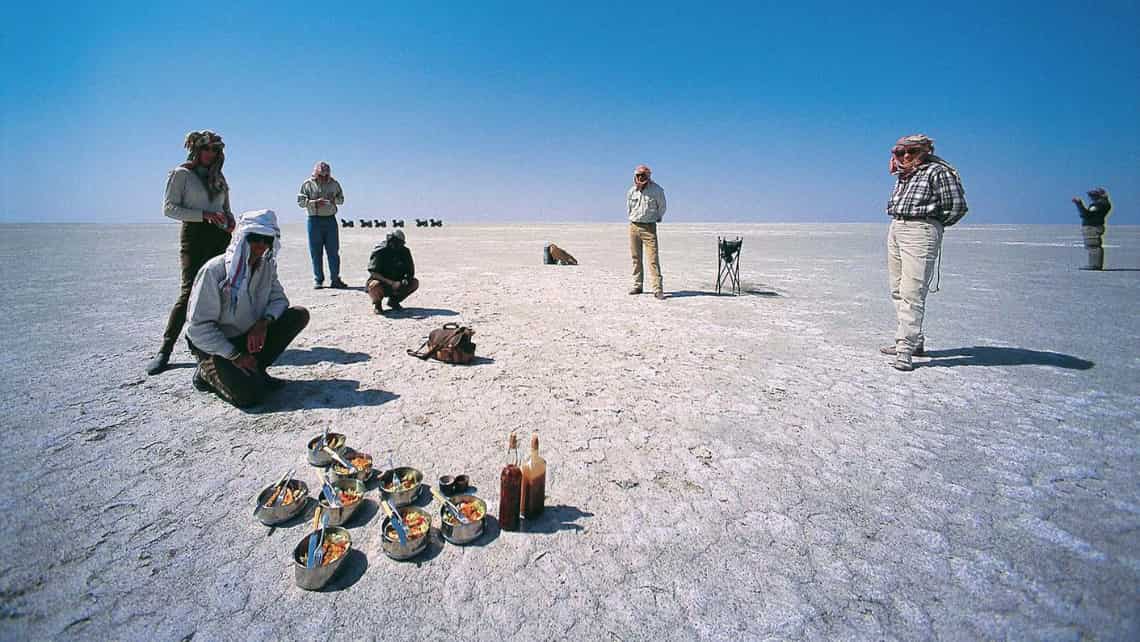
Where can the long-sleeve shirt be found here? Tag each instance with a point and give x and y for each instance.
(186, 197)
(393, 263)
(312, 190)
(646, 205)
(1096, 211)
(213, 318)
(932, 191)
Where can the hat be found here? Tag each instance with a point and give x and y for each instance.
(398, 234)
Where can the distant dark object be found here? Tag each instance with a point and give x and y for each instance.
(421, 223)
(728, 263)
(346, 223)
(379, 223)
(554, 255)
(435, 223)
(398, 223)
(365, 223)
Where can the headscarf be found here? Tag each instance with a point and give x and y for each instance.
(195, 142)
(262, 222)
(322, 169)
(922, 141)
(642, 169)
(1098, 194)
(394, 234)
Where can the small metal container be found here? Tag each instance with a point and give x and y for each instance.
(312, 579)
(272, 515)
(320, 458)
(401, 497)
(336, 473)
(338, 515)
(393, 548)
(459, 533)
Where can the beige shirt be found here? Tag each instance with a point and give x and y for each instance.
(212, 319)
(647, 205)
(311, 191)
(186, 197)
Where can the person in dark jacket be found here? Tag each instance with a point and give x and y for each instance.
(391, 272)
(1092, 225)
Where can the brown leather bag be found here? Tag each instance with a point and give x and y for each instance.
(449, 344)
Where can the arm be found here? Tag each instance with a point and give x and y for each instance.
(204, 311)
(1081, 209)
(951, 197)
(278, 302)
(172, 202)
(303, 196)
(661, 210)
(411, 265)
(339, 195)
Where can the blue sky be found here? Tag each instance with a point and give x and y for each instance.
(539, 111)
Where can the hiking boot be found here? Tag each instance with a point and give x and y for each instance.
(902, 362)
(659, 296)
(377, 308)
(338, 284)
(200, 383)
(891, 349)
(395, 305)
(635, 291)
(317, 285)
(158, 363)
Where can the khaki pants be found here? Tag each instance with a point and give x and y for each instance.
(645, 234)
(1094, 243)
(912, 254)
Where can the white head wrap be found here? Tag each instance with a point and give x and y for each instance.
(262, 222)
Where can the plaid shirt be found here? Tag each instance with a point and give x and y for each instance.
(933, 191)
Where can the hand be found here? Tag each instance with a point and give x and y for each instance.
(403, 283)
(217, 218)
(245, 362)
(321, 202)
(1076, 200)
(255, 340)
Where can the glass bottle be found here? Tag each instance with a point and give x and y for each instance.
(533, 482)
(510, 488)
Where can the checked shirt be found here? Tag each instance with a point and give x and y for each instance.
(933, 191)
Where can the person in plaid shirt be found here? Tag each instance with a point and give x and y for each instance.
(928, 197)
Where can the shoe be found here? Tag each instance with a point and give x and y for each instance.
(395, 305)
(902, 362)
(200, 383)
(635, 291)
(660, 296)
(338, 284)
(1089, 267)
(158, 363)
(318, 285)
(918, 352)
(377, 309)
(273, 383)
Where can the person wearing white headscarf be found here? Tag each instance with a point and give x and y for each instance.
(319, 196)
(240, 319)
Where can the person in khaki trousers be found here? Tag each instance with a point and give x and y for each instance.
(645, 205)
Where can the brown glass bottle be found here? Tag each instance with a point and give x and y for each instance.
(510, 488)
(533, 482)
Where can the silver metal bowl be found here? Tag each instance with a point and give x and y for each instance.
(393, 548)
(401, 497)
(340, 514)
(320, 458)
(459, 533)
(271, 515)
(312, 579)
(361, 473)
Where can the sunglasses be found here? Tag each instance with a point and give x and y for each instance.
(260, 238)
(909, 150)
(641, 177)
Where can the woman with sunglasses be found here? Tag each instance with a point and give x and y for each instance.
(196, 194)
(240, 319)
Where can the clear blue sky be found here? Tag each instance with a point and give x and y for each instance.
(539, 111)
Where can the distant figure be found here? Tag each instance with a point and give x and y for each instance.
(645, 206)
(198, 195)
(397, 223)
(554, 255)
(435, 223)
(320, 194)
(928, 197)
(421, 223)
(346, 223)
(379, 223)
(391, 272)
(1092, 225)
(365, 223)
(240, 319)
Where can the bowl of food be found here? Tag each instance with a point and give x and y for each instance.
(335, 547)
(320, 457)
(276, 504)
(417, 523)
(350, 494)
(453, 529)
(401, 485)
(362, 462)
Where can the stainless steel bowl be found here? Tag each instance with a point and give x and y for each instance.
(393, 548)
(401, 497)
(320, 458)
(459, 533)
(361, 473)
(340, 514)
(312, 579)
(271, 515)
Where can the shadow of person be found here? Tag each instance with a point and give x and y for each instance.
(321, 393)
(419, 313)
(682, 294)
(313, 356)
(554, 519)
(1000, 356)
(1120, 270)
(350, 571)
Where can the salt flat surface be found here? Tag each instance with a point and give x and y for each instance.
(720, 467)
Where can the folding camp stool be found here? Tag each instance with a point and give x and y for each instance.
(728, 263)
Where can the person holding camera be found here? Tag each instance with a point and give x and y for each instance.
(1092, 225)
(391, 272)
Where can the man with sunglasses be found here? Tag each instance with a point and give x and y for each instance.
(928, 197)
(319, 196)
(645, 206)
(240, 319)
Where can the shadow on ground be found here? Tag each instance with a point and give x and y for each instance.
(554, 519)
(321, 393)
(420, 313)
(314, 356)
(350, 571)
(681, 294)
(997, 356)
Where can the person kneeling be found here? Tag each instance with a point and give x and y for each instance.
(391, 272)
(240, 319)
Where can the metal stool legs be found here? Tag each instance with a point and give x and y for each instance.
(728, 263)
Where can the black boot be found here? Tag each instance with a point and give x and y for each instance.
(158, 363)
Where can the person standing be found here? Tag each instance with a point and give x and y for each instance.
(645, 206)
(928, 197)
(198, 195)
(320, 195)
(1092, 225)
